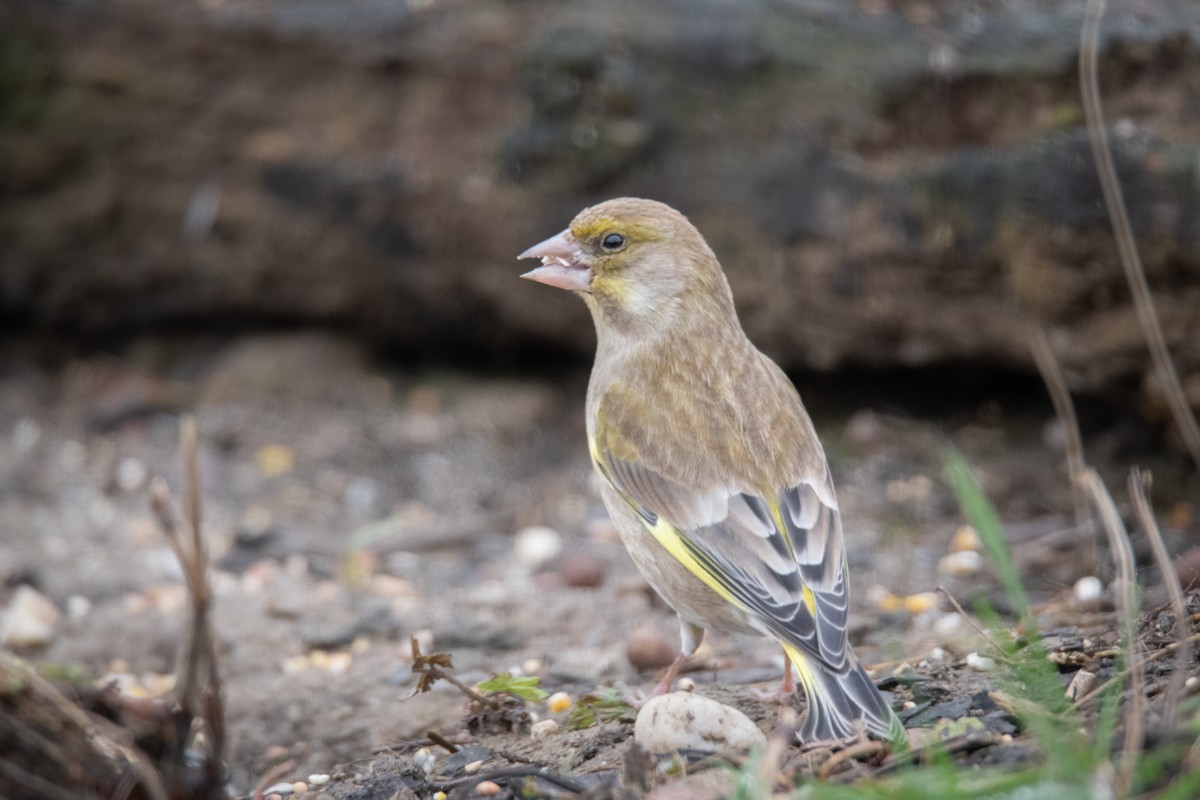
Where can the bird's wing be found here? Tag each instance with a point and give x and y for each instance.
(776, 555)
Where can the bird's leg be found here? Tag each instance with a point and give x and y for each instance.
(787, 688)
(690, 636)
(668, 678)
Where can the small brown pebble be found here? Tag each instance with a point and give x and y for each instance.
(646, 649)
(487, 788)
(1187, 566)
(582, 571)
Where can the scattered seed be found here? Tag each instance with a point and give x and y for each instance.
(965, 538)
(919, 603)
(558, 702)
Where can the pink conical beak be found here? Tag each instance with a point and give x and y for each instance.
(561, 265)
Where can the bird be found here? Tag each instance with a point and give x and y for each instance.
(709, 465)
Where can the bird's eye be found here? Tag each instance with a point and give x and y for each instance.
(612, 242)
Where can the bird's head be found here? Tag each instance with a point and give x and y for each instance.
(639, 265)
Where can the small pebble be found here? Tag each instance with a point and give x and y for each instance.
(131, 474)
(318, 779)
(536, 545)
(558, 702)
(439, 796)
(1087, 592)
(962, 562)
(281, 789)
(864, 429)
(542, 728)
(909, 705)
(78, 606)
(647, 650)
(689, 721)
(425, 759)
(911, 490)
(1191, 685)
(937, 655)
(1081, 683)
(685, 685)
(947, 624)
(487, 788)
(299, 787)
(980, 663)
(30, 619)
(473, 766)
(582, 571)
(1187, 565)
(531, 666)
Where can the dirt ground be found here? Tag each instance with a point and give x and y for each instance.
(352, 504)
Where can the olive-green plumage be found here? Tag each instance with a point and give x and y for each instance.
(710, 466)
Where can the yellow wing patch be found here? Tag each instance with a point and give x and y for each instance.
(668, 536)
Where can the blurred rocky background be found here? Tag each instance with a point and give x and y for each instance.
(889, 184)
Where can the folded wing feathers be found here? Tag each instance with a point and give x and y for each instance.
(734, 537)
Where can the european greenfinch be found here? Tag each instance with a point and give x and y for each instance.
(710, 467)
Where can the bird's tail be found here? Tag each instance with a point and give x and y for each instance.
(837, 703)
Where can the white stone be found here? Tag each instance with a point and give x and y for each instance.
(318, 779)
(30, 619)
(131, 474)
(536, 545)
(78, 606)
(689, 721)
(542, 729)
(962, 562)
(980, 663)
(1088, 590)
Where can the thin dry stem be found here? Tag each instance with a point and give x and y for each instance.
(1118, 539)
(867, 747)
(1131, 261)
(1139, 484)
(1060, 396)
(971, 621)
(200, 681)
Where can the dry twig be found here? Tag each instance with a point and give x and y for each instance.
(1060, 396)
(1118, 539)
(199, 687)
(1131, 261)
(971, 621)
(1139, 484)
